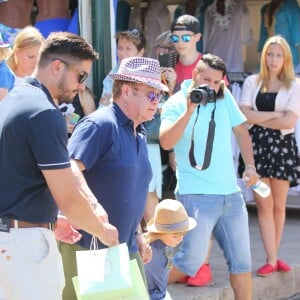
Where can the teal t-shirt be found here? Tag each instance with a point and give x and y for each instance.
(220, 177)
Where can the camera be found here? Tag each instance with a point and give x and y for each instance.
(203, 94)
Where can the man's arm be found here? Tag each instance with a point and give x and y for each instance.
(75, 200)
(169, 136)
(245, 145)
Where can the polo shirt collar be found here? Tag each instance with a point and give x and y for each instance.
(125, 121)
(36, 83)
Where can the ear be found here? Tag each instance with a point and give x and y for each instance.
(125, 90)
(198, 36)
(141, 52)
(56, 66)
(194, 74)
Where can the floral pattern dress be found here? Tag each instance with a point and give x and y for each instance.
(275, 154)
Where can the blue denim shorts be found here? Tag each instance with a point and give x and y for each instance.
(224, 216)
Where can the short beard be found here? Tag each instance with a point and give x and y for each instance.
(64, 95)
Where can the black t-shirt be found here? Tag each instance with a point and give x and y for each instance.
(33, 137)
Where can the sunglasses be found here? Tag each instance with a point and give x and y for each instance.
(185, 38)
(81, 75)
(135, 32)
(151, 96)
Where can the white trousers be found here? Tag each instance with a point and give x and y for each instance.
(30, 265)
(155, 161)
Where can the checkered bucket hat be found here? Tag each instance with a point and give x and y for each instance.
(140, 70)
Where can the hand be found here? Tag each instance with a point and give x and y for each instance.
(66, 232)
(110, 236)
(144, 248)
(250, 176)
(170, 76)
(70, 126)
(190, 106)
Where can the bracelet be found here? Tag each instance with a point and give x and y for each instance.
(251, 166)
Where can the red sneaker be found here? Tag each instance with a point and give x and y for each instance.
(266, 270)
(282, 266)
(202, 278)
(183, 279)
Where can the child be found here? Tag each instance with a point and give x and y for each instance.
(7, 77)
(165, 231)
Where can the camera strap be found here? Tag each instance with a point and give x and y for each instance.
(209, 142)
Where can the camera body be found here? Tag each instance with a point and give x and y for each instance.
(203, 94)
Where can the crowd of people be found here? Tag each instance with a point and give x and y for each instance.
(73, 166)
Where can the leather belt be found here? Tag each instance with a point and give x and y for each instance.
(24, 224)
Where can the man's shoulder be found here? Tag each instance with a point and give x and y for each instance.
(30, 92)
(102, 122)
(104, 116)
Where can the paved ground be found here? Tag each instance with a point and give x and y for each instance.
(275, 287)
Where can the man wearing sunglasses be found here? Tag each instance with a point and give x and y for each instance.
(185, 35)
(37, 177)
(110, 148)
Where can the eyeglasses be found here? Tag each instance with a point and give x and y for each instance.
(151, 95)
(165, 48)
(185, 38)
(81, 75)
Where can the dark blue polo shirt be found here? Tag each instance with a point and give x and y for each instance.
(33, 137)
(117, 168)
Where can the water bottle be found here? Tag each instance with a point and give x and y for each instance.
(261, 189)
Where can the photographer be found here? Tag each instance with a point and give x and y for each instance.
(210, 193)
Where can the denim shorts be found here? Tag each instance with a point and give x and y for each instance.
(224, 216)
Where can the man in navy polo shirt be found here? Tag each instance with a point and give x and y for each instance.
(110, 148)
(36, 176)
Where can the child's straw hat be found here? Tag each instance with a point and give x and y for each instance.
(170, 217)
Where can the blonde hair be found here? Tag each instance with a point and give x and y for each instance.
(286, 74)
(26, 38)
(153, 236)
(4, 53)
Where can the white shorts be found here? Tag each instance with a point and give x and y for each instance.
(31, 265)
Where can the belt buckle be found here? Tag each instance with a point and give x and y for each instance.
(4, 224)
